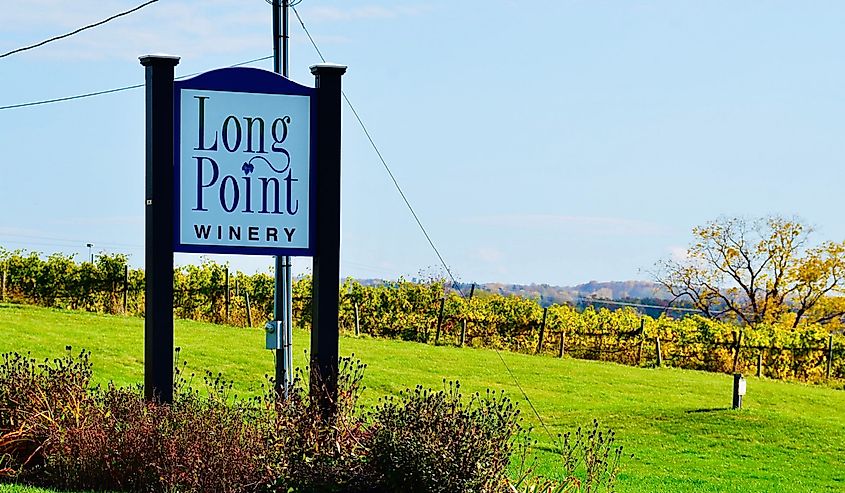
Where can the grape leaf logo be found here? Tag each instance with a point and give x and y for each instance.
(248, 167)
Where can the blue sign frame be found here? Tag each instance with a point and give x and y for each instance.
(254, 81)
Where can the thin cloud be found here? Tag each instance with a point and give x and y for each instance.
(678, 253)
(489, 255)
(590, 224)
(51, 14)
(182, 27)
(101, 220)
(179, 27)
(363, 12)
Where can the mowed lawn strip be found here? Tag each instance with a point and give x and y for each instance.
(14, 488)
(789, 437)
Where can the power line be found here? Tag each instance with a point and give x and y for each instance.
(61, 242)
(110, 91)
(455, 283)
(666, 308)
(67, 35)
(291, 4)
(402, 194)
(73, 241)
(422, 228)
(307, 33)
(513, 377)
(637, 305)
(69, 98)
(268, 57)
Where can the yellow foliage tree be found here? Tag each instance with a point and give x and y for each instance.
(760, 270)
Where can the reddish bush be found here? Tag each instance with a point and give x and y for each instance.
(56, 430)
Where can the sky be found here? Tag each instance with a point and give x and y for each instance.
(539, 142)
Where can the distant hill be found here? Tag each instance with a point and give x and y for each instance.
(642, 292)
(547, 294)
(649, 297)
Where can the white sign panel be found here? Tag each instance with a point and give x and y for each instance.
(244, 172)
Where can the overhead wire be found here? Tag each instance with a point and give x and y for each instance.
(69, 98)
(422, 228)
(455, 283)
(404, 197)
(77, 31)
(67, 240)
(599, 301)
(291, 3)
(118, 89)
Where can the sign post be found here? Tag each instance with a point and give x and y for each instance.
(158, 244)
(326, 288)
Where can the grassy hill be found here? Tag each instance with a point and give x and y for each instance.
(788, 438)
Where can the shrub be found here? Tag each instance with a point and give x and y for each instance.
(593, 453)
(38, 403)
(427, 441)
(56, 430)
(309, 454)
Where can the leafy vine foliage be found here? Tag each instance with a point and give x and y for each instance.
(412, 311)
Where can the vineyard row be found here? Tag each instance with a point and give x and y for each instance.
(430, 313)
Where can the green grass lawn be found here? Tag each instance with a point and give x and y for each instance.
(13, 488)
(788, 438)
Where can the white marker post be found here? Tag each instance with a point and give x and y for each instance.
(739, 390)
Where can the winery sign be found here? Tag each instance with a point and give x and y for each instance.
(243, 162)
(231, 158)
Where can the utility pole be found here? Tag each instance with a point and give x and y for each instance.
(282, 298)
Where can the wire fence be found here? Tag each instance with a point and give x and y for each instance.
(431, 314)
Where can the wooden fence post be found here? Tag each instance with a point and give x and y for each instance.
(439, 321)
(357, 321)
(736, 354)
(829, 355)
(760, 364)
(600, 345)
(227, 296)
(125, 288)
(542, 331)
(659, 353)
(562, 344)
(642, 342)
(3, 292)
(464, 322)
(248, 310)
